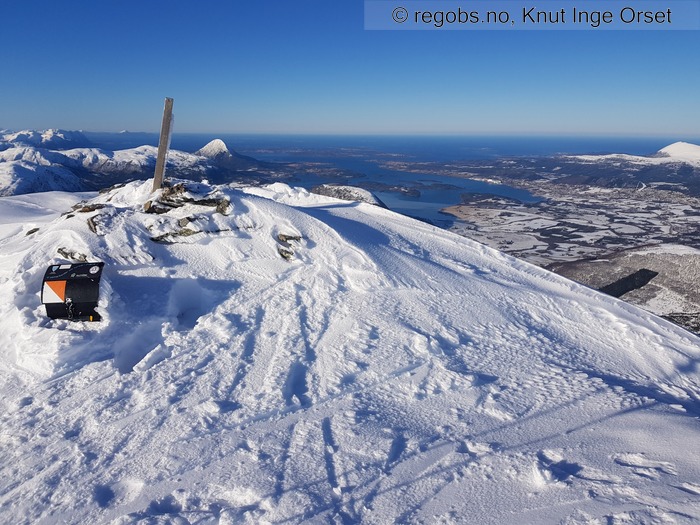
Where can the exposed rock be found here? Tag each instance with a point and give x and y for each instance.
(173, 237)
(348, 193)
(182, 193)
(92, 224)
(72, 255)
(285, 253)
(283, 238)
(224, 206)
(285, 248)
(155, 207)
(169, 238)
(86, 208)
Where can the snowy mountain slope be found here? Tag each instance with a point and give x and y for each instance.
(27, 170)
(678, 152)
(134, 161)
(389, 372)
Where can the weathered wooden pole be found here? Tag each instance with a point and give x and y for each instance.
(163, 144)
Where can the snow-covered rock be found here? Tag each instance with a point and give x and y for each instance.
(348, 193)
(388, 372)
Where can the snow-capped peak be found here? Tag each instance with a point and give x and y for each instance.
(677, 152)
(216, 148)
(683, 151)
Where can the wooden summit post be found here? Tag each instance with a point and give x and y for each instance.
(163, 143)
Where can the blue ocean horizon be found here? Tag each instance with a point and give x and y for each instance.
(290, 148)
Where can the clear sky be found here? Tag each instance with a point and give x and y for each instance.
(308, 66)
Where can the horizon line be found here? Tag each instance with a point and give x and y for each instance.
(519, 134)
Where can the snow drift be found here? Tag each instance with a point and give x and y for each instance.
(382, 371)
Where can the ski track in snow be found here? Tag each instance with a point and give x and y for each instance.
(390, 372)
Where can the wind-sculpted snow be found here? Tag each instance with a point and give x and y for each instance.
(386, 372)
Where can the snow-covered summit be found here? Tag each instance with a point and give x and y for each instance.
(682, 151)
(214, 150)
(271, 355)
(678, 152)
(221, 157)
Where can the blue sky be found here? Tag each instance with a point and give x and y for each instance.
(308, 66)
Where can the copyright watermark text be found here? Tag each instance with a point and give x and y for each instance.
(532, 15)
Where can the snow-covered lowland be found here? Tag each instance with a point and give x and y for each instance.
(268, 355)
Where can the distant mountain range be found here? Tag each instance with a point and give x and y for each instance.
(51, 139)
(35, 161)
